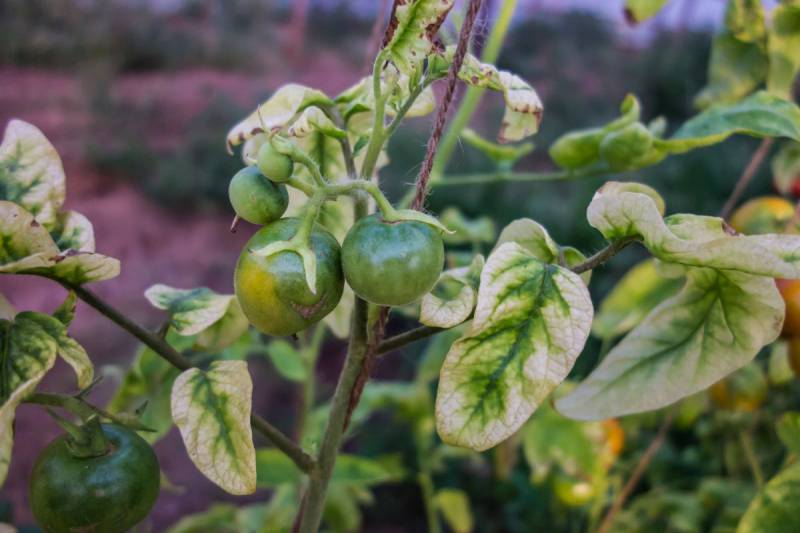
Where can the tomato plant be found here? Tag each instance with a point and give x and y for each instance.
(506, 316)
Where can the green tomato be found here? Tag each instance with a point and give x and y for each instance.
(110, 493)
(272, 290)
(577, 149)
(623, 149)
(392, 263)
(255, 198)
(573, 492)
(273, 164)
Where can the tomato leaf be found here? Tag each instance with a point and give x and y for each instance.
(217, 319)
(411, 32)
(531, 322)
(786, 169)
(275, 469)
(287, 360)
(455, 508)
(637, 11)
(453, 298)
(783, 45)
(212, 410)
(736, 69)
(774, 509)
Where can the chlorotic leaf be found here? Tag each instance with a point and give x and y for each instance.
(68, 348)
(212, 410)
(412, 29)
(531, 322)
(31, 173)
(27, 248)
(276, 113)
(313, 119)
(524, 108)
(774, 509)
(455, 508)
(217, 318)
(66, 311)
(27, 352)
(641, 289)
(744, 19)
(715, 325)
(453, 298)
(783, 45)
(637, 11)
(736, 69)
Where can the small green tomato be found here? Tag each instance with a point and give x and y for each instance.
(255, 198)
(273, 164)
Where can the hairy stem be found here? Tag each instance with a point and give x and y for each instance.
(303, 461)
(83, 409)
(603, 255)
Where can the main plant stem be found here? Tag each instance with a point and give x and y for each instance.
(303, 461)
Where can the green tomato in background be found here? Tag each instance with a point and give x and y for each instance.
(273, 164)
(272, 290)
(392, 263)
(573, 492)
(110, 493)
(577, 149)
(624, 148)
(256, 199)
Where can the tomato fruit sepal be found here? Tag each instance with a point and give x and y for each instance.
(85, 440)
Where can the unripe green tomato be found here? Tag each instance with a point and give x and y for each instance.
(110, 493)
(392, 263)
(577, 149)
(272, 290)
(273, 164)
(573, 492)
(622, 149)
(256, 199)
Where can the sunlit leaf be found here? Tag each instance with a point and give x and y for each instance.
(774, 509)
(276, 113)
(736, 69)
(531, 322)
(412, 29)
(744, 19)
(641, 289)
(455, 508)
(212, 410)
(31, 173)
(640, 10)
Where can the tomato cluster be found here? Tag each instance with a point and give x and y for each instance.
(384, 262)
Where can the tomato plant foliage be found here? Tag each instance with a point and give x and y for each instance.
(510, 323)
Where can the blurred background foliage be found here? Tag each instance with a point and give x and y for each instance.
(582, 70)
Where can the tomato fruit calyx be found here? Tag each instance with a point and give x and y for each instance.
(390, 262)
(109, 493)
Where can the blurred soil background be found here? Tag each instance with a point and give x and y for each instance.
(137, 98)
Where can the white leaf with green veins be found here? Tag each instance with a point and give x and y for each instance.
(217, 318)
(411, 32)
(715, 325)
(524, 108)
(31, 173)
(625, 210)
(212, 410)
(774, 509)
(453, 298)
(277, 112)
(313, 119)
(68, 348)
(531, 322)
(73, 231)
(27, 248)
(27, 352)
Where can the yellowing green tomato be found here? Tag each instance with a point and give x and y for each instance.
(392, 263)
(273, 164)
(255, 198)
(573, 492)
(745, 390)
(272, 290)
(766, 214)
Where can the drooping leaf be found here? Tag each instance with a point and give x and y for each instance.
(29, 345)
(276, 113)
(774, 509)
(412, 29)
(784, 50)
(217, 318)
(736, 69)
(453, 298)
(314, 119)
(641, 289)
(637, 11)
(524, 108)
(212, 410)
(455, 508)
(31, 173)
(786, 169)
(68, 348)
(27, 248)
(531, 322)
(73, 231)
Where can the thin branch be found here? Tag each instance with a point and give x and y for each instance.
(80, 407)
(303, 461)
(603, 255)
(407, 337)
(636, 475)
(747, 176)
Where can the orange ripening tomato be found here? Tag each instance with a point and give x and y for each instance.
(745, 390)
(766, 214)
(790, 291)
(615, 436)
